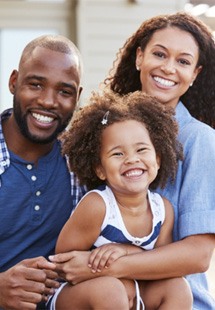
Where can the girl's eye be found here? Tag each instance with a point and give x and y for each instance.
(117, 154)
(142, 149)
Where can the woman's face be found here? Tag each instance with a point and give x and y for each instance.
(168, 64)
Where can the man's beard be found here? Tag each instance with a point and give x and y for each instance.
(21, 120)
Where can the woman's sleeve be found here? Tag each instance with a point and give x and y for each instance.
(196, 203)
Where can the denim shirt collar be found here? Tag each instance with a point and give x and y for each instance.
(182, 115)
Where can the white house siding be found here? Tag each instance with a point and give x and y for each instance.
(20, 22)
(104, 25)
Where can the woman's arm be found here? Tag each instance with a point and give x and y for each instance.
(187, 256)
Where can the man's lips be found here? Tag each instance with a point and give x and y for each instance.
(43, 118)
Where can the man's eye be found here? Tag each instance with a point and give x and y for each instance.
(35, 85)
(67, 93)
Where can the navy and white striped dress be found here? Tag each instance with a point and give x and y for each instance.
(113, 228)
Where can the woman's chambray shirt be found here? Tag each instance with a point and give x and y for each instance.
(193, 192)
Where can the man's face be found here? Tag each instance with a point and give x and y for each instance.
(46, 90)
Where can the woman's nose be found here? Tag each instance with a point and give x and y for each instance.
(168, 67)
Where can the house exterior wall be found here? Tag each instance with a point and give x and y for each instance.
(20, 22)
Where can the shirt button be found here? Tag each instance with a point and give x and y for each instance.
(33, 178)
(38, 193)
(29, 167)
(36, 208)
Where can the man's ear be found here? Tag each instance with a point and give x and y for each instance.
(12, 81)
(100, 173)
(80, 91)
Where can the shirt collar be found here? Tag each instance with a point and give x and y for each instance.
(4, 154)
(182, 115)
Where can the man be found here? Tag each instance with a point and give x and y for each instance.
(35, 183)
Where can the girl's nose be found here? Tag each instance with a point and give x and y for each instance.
(132, 159)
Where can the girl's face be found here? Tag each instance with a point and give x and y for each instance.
(168, 64)
(128, 159)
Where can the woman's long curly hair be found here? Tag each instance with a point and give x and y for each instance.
(200, 98)
(83, 139)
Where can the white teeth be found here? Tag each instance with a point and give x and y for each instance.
(163, 81)
(42, 118)
(134, 173)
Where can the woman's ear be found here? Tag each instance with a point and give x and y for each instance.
(139, 55)
(100, 173)
(196, 73)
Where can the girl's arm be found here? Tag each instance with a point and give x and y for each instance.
(105, 255)
(84, 225)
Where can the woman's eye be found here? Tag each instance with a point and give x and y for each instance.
(184, 62)
(159, 54)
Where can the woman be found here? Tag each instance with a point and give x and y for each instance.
(172, 57)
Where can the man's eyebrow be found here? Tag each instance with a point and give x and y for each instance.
(35, 77)
(42, 79)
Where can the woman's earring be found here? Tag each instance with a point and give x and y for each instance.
(138, 68)
(191, 84)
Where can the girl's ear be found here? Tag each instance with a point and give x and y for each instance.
(158, 159)
(100, 173)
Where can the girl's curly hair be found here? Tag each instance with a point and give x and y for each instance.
(200, 98)
(82, 141)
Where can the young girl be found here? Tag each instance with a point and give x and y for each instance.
(122, 149)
